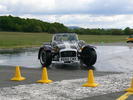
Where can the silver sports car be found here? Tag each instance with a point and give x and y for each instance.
(66, 48)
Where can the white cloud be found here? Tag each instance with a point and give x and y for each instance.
(84, 13)
(97, 7)
(3, 8)
(115, 21)
(28, 6)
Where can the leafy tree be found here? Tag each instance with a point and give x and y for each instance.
(127, 31)
(10, 23)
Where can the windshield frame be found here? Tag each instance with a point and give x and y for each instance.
(73, 37)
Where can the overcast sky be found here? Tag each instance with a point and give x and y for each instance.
(83, 13)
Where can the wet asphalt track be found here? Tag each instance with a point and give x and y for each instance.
(32, 75)
(55, 74)
(109, 58)
(110, 96)
(58, 74)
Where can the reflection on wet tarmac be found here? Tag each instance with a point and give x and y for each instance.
(26, 58)
(115, 58)
(110, 58)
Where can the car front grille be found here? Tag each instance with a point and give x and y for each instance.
(68, 54)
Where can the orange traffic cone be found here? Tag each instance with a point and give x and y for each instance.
(91, 81)
(44, 77)
(18, 76)
(131, 88)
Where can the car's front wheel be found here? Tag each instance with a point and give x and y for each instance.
(88, 57)
(45, 58)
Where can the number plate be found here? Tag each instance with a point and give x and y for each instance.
(68, 58)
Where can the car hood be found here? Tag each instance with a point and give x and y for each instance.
(68, 45)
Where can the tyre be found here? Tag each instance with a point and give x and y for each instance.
(88, 56)
(83, 66)
(45, 58)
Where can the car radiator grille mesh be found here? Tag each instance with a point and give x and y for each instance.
(68, 54)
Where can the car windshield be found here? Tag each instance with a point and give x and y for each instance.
(65, 37)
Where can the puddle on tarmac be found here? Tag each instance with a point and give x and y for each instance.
(109, 58)
(26, 58)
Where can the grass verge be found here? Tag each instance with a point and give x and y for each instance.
(23, 40)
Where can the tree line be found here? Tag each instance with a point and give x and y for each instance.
(17, 24)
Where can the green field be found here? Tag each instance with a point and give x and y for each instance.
(103, 38)
(20, 39)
